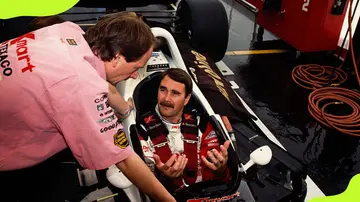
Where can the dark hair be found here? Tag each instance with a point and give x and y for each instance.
(40, 22)
(180, 76)
(120, 33)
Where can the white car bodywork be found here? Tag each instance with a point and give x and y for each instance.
(126, 89)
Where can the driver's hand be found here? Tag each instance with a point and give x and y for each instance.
(218, 159)
(174, 167)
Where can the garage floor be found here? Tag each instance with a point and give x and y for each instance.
(265, 84)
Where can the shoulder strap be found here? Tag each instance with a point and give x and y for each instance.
(189, 130)
(157, 133)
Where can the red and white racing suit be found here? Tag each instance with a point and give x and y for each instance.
(175, 142)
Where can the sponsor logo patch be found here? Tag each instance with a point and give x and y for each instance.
(148, 119)
(100, 107)
(213, 145)
(107, 119)
(145, 148)
(212, 134)
(108, 112)
(110, 127)
(188, 117)
(22, 51)
(189, 125)
(4, 63)
(71, 42)
(120, 139)
(102, 98)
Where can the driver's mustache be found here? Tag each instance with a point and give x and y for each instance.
(166, 104)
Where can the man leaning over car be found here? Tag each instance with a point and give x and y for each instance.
(54, 86)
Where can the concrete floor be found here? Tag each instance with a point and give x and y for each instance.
(266, 85)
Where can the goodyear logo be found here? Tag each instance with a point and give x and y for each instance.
(120, 139)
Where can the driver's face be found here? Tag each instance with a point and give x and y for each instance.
(171, 99)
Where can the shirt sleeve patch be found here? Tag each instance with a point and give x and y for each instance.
(71, 42)
(100, 107)
(120, 139)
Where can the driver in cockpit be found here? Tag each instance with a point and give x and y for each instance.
(175, 148)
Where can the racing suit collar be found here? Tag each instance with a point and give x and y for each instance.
(172, 127)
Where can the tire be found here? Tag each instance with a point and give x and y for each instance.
(205, 24)
(299, 190)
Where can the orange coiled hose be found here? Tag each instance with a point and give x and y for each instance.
(316, 77)
(321, 99)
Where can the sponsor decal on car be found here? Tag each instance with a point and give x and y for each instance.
(201, 62)
(192, 70)
(120, 139)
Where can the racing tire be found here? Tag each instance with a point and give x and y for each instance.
(299, 191)
(205, 24)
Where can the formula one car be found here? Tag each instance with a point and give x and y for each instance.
(282, 181)
(144, 91)
(277, 176)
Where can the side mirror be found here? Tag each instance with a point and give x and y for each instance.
(119, 180)
(261, 156)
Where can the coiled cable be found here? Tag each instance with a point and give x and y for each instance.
(322, 80)
(322, 99)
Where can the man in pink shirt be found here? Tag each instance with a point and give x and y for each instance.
(54, 95)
